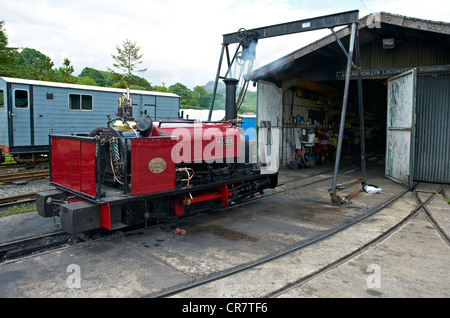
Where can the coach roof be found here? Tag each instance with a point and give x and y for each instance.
(85, 87)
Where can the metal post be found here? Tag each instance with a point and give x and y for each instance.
(344, 108)
(215, 83)
(361, 112)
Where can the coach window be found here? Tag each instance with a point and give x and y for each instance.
(20, 98)
(2, 99)
(80, 102)
(86, 102)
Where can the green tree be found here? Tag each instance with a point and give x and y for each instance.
(127, 61)
(120, 84)
(84, 80)
(162, 89)
(95, 75)
(29, 57)
(184, 93)
(200, 96)
(139, 83)
(7, 54)
(65, 72)
(47, 73)
(32, 64)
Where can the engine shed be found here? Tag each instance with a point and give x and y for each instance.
(405, 69)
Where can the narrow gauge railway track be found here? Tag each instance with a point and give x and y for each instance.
(27, 246)
(11, 166)
(413, 213)
(13, 250)
(18, 199)
(6, 166)
(304, 244)
(20, 248)
(429, 215)
(35, 245)
(23, 176)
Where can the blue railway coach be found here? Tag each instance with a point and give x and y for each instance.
(31, 110)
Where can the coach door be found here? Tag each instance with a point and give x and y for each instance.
(149, 105)
(401, 127)
(20, 118)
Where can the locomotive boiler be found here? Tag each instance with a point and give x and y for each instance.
(131, 172)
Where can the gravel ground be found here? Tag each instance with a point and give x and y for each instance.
(30, 186)
(14, 188)
(9, 189)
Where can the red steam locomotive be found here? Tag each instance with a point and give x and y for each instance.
(143, 170)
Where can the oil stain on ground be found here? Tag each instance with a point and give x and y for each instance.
(230, 234)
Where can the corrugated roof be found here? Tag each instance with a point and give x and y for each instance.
(372, 21)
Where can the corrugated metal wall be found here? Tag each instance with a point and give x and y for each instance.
(409, 51)
(432, 160)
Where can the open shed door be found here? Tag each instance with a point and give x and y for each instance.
(401, 127)
(269, 127)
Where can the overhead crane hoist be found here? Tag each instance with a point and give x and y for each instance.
(245, 54)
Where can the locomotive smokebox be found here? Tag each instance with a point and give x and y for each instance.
(230, 101)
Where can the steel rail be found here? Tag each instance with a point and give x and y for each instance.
(414, 212)
(18, 198)
(26, 246)
(23, 175)
(429, 215)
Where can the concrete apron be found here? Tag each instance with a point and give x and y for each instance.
(412, 262)
(135, 266)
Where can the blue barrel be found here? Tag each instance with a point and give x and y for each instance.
(249, 126)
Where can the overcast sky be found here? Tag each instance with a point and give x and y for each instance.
(180, 40)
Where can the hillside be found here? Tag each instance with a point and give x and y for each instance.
(249, 104)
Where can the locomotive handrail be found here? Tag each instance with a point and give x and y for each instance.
(193, 121)
(74, 137)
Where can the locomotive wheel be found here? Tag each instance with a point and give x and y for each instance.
(27, 158)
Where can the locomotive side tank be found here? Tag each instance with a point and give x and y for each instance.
(136, 171)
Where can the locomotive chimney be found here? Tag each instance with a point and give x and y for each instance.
(230, 101)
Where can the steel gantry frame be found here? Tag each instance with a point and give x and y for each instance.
(247, 40)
